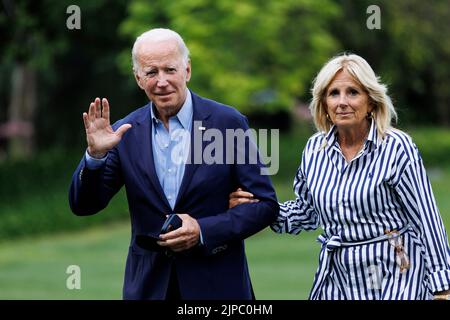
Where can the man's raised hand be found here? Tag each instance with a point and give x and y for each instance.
(99, 134)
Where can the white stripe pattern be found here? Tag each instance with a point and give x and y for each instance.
(384, 188)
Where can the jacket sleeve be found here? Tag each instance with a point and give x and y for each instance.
(91, 190)
(243, 220)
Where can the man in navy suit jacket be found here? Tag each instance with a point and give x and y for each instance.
(205, 257)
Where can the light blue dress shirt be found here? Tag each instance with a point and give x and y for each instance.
(171, 147)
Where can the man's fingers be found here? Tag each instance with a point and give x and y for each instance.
(98, 108)
(178, 244)
(91, 112)
(86, 120)
(105, 110)
(182, 238)
(172, 234)
(172, 243)
(122, 129)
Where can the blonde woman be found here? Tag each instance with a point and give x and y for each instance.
(365, 184)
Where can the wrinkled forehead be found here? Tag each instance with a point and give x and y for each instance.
(158, 50)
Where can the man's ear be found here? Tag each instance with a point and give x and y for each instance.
(138, 80)
(188, 71)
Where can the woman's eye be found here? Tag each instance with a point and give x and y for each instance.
(353, 92)
(334, 93)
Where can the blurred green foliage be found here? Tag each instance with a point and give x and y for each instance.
(251, 54)
(411, 53)
(34, 197)
(72, 66)
(257, 55)
(433, 144)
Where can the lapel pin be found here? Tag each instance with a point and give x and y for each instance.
(202, 128)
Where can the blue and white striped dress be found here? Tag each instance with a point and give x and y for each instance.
(384, 188)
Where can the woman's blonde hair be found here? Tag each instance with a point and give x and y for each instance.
(360, 70)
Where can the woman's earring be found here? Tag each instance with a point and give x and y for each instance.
(328, 117)
(370, 115)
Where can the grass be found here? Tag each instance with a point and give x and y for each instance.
(281, 266)
(36, 268)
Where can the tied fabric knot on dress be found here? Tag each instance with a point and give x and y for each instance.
(330, 244)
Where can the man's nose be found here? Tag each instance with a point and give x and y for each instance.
(161, 80)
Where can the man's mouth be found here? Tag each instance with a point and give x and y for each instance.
(163, 94)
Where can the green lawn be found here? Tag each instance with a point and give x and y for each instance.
(282, 266)
(36, 268)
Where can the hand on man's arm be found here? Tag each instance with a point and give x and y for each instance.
(442, 295)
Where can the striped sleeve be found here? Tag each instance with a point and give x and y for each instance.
(415, 192)
(299, 214)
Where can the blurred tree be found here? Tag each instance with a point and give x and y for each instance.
(421, 31)
(251, 54)
(50, 73)
(411, 52)
(30, 48)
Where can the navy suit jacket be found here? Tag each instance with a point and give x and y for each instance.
(216, 270)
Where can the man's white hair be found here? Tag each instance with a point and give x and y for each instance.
(158, 34)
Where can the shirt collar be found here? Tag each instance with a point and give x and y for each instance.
(184, 115)
(331, 136)
(373, 134)
(372, 137)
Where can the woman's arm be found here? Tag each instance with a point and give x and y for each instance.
(299, 214)
(414, 190)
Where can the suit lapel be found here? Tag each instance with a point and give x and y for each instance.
(145, 142)
(200, 114)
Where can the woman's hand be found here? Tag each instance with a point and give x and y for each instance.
(239, 197)
(442, 295)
